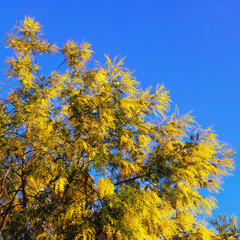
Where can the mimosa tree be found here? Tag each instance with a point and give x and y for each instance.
(85, 153)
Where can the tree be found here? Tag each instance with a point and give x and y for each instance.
(226, 228)
(87, 154)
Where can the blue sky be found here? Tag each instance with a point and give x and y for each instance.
(193, 47)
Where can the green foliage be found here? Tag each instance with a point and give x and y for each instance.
(226, 227)
(58, 131)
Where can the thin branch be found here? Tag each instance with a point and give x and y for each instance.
(7, 84)
(8, 209)
(3, 181)
(128, 180)
(60, 65)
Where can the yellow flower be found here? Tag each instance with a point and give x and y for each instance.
(105, 187)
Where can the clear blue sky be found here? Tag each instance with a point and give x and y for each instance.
(191, 46)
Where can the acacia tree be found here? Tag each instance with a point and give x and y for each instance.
(61, 130)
